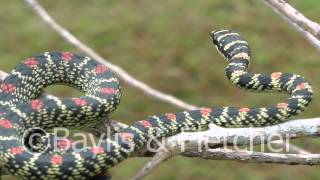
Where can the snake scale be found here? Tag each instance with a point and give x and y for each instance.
(22, 108)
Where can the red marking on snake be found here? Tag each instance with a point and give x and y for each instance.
(5, 123)
(37, 104)
(282, 105)
(107, 91)
(66, 56)
(16, 150)
(205, 111)
(80, 102)
(97, 150)
(126, 136)
(8, 88)
(56, 160)
(301, 86)
(101, 69)
(276, 75)
(31, 62)
(145, 123)
(244, 109)
(171, 116)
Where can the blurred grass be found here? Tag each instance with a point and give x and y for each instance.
(167, 45)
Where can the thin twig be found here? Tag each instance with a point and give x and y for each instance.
(151, 165)
(309, 29)
(66, 35)
(290, 147)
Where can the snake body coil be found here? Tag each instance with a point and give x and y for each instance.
(21, 109)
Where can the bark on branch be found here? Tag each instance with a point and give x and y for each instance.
(224, 144)
(309, 29)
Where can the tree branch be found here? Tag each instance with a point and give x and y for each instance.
(206, 145)
(66, 35)
(309, 29)
(257, 157)
(290, 147)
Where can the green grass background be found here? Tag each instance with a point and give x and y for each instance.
(167, 45)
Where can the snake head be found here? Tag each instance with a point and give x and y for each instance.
(230, 44)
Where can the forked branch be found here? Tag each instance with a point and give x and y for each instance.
(226, 144)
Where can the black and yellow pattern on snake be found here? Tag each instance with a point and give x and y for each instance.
(21, 109)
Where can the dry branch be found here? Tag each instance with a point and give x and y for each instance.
(204, 144)
(257, 157)
(70, 38)
(308, 28)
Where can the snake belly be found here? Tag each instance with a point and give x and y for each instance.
(22, 108)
